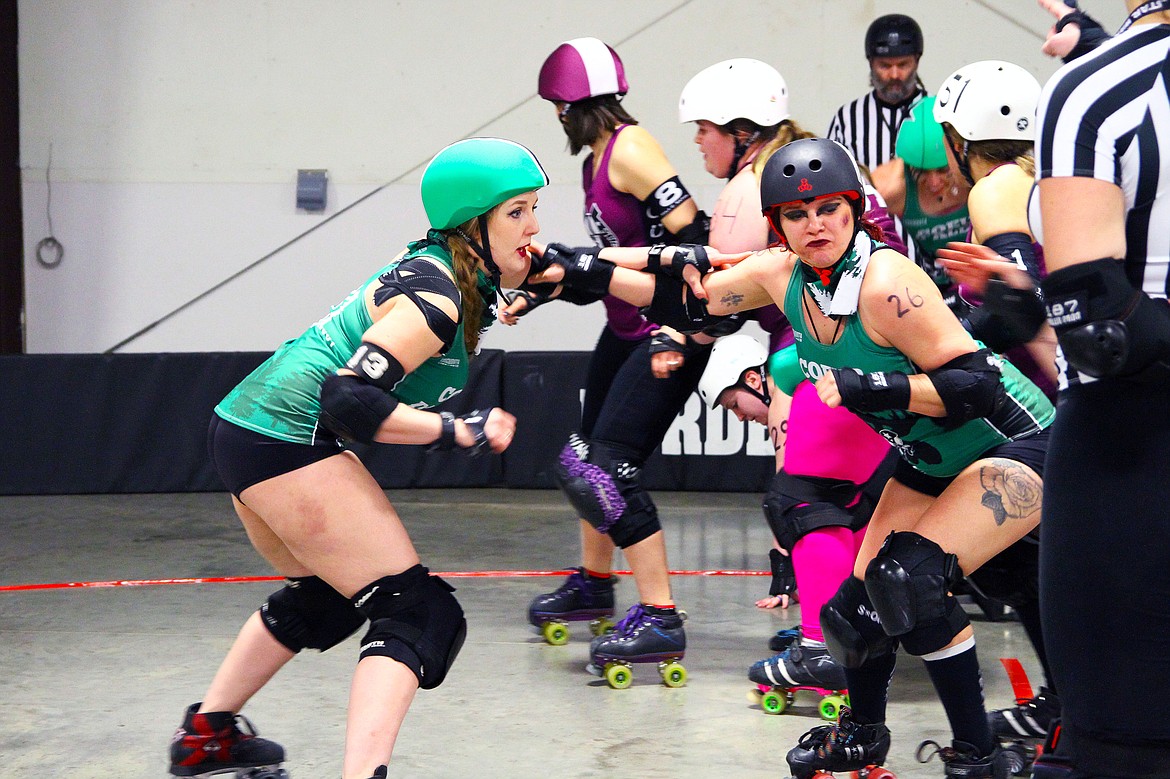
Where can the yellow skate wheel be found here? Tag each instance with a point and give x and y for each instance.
(830, 707)
(619, 676)
(555, 633)
(601, 626)
(673, 674)
(774, 702)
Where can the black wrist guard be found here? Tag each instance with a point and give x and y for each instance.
(662, 342)
(783, 574)
(685, 254)
(877, 391)
(584, 270)
(1104, 325)
(475, 421)
(1092, 33)
(534, 295)
(654, 258)
(446, 440)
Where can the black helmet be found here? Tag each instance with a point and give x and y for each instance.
(893, 35)
(808, 169)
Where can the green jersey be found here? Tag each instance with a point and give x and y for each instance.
(280, 398)
(921, 440)
(931, 233)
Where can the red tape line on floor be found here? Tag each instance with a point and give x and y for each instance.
(249, 579)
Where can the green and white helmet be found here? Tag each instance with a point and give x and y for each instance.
(470, 177)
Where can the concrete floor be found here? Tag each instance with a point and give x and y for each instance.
(94, 680)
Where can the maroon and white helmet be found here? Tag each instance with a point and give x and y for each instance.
(580, 69)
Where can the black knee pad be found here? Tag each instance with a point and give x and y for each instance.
(797, 505)
(639, 520)
(1012, 576)
(589, 488)
(909, 582)
(309, 614)
(415, 620)
(853, 630)
(604, 484)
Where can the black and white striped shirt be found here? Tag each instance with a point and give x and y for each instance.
(1106, 116)
(868, 128)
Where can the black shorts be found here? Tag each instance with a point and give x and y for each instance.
(1030, 451)
(243, 458)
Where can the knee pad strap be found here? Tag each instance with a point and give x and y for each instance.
(309, 614)
(797, 505)
(415, 620)
(852, 628)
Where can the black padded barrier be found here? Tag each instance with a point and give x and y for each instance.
(125, 423)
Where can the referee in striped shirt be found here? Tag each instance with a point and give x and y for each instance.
(868, 126)
(1103, 162)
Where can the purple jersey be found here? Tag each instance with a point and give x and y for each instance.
(614, 218)
(773, 322)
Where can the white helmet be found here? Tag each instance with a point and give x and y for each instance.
(989, 100)
(735, 89)
(730, 357)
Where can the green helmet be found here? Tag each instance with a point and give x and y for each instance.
(470, 177)
(920, 138)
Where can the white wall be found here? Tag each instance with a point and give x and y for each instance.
(176, 129)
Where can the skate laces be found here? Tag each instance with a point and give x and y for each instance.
(827, 739)
(634, 618)
(243, 727)
(949, 754)
(575, 582)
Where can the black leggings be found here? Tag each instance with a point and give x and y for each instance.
(625, 405)
(1105, 575)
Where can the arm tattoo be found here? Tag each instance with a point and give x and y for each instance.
(1010, 490)
(731, 300)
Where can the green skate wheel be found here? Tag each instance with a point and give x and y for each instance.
(555, 633)
(773, 702)
(673, 674)
(619, 676)
(830, 707)
(600, 627)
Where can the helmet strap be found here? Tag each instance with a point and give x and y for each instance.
(484, 252)
(763, 394)
(741, 147)
(962, 158)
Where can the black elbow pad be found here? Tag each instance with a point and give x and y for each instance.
(353, 408)
(969, 386)
(698, 231)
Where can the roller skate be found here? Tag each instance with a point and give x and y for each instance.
(579, 599)
(784, 639)
(214, 743)
(843, 747)
(1050, 765)
(963, 760)
(1023, 728)
(645, 635)
(800, 667)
